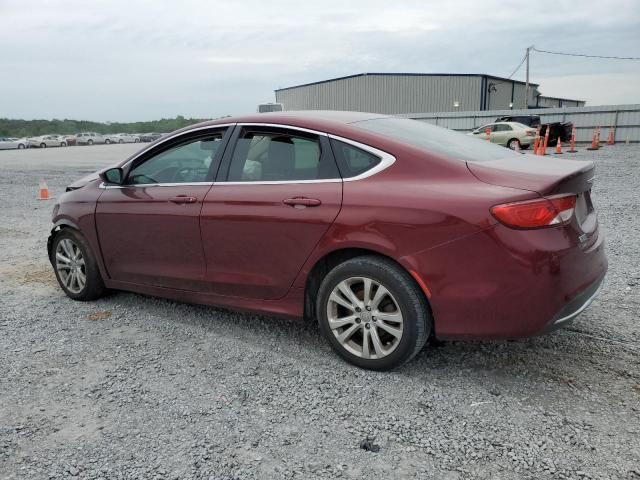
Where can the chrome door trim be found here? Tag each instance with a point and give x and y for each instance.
(386, 159)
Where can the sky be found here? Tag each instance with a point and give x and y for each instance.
(131, 60)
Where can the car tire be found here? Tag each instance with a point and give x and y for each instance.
(43, 145)
(71, 255)
(107, 141)
(349, 324)
(63, 144)
(20, 146)
(137, 140)
(89, 142)
(120, 141)
(512, 144)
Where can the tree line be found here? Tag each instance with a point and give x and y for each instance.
(33, 128)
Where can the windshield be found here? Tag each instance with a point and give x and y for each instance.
(437, 140)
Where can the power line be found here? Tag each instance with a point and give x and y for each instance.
(583, 55)
(518, 67)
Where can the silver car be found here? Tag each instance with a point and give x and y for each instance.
(123, 138)
(508, 134)
(45, 141)
(90, 138)
(11, 143)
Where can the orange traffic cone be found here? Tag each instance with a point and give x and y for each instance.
(536, 141)
(487, 132)
(558, 147)
(44, 191)
(572, 144)
(612, 136)
(545, 143)
(595, 141)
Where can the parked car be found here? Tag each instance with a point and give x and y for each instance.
(12, 143)
(150, 137)
(90, 138)
(124, 138)
(507, 134)
(45, 141)
(387, 231)
(69, 139)
(557, 129)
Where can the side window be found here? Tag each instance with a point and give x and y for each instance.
(185, 163)
(353, 161)
(270, 156)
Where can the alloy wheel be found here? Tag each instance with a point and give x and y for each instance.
(365, 317)
(71, 266)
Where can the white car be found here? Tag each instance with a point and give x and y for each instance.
(11, 143)
(89, 138)
(508, 134)
(45, 141)
(123, 138)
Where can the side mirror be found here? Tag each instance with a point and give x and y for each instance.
(112, 176)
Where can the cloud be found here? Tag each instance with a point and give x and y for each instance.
(137, 59)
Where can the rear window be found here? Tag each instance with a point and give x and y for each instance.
(436, 140)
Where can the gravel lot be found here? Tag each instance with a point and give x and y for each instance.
(137, 387)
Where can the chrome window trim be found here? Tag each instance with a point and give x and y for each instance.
(386, 159)
(144, 185)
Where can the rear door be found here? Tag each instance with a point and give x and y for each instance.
(149, 228)
(276, 195)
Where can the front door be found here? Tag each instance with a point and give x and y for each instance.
(149, 227)
(279, 193)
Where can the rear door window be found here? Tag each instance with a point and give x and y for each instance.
(280, 156)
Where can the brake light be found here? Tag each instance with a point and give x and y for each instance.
(539, 213)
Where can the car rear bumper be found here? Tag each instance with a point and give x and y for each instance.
(575, 307)
(502, 283)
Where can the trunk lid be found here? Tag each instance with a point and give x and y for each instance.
(544, 176)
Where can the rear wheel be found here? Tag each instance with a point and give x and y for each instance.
(372, 313)
(89, 142)
(63, 144)
(20, 146)
(514, 143)
(75, 266)
(137, 140)
(107, 141)
(120, 141)
(43, 145)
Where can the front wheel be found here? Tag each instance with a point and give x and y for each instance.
(63, 144)
(43, 145)
(75, 266)
(20, 146)
(107, 141)
(89, 142)
(373, 313)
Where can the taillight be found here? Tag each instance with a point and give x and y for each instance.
(539, 213)
(530, 133)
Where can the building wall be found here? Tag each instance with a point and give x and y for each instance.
(389, 94)
(551, 102)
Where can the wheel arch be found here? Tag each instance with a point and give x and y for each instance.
(335, 257)
(59, 226)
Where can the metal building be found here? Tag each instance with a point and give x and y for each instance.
(394, 93)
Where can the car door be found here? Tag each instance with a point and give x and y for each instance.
(277, 193)
(149, 227)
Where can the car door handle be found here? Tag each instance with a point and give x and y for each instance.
(301, 202)
(182, 199)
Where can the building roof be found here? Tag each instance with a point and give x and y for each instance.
(408, 75)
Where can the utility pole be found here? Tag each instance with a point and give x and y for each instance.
(526, 88)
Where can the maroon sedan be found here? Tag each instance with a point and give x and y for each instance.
(385, 230)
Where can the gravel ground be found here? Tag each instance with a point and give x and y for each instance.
(137, 387)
